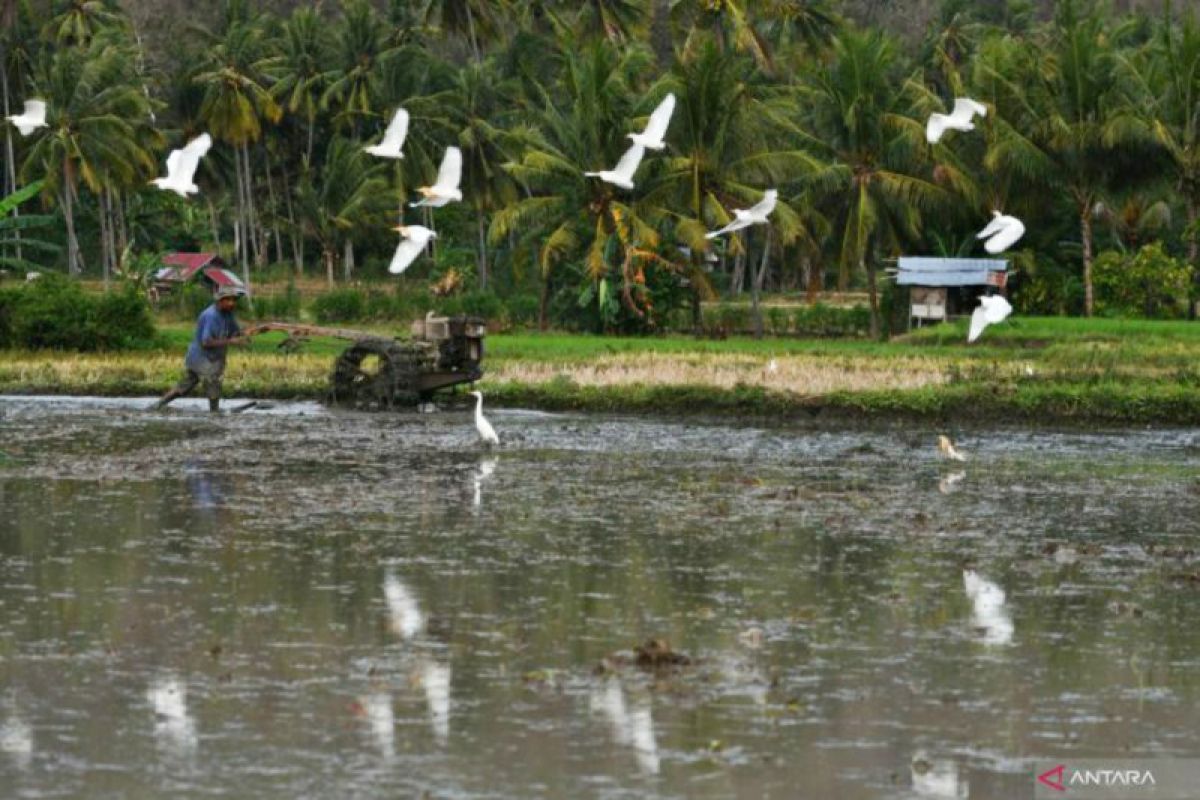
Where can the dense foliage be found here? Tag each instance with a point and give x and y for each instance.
(1092, 137)
(55, 313)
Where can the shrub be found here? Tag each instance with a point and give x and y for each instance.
(56, 313)
(1147, 284)
(777, 319)
(828, 321)
(522, 310)
(483, 304)
(282, 306)
(340, 305)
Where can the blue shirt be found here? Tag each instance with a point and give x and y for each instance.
(213, 323)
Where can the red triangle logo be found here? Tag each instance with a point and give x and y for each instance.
(1053, 778)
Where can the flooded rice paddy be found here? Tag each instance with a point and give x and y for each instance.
(292, 602)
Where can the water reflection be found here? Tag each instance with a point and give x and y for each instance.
(937, 778)
(382, 721)
(989, 612)
(629, 728)
(16, 740)
(483, 471)
(949, 483)
(434, 678)
(403, 611)
(174, 727)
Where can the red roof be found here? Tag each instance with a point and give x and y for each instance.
(189, 263)
(223, 277)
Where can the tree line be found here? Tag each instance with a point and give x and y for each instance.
(1092, 138)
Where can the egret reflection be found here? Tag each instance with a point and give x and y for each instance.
(633, 729)
(989, 611)
(937, 777)
(382, 722)
(435, 680)
(483, 471)
(174, 727)
(403, 610)
(16, 741)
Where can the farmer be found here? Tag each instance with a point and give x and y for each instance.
(216, 329)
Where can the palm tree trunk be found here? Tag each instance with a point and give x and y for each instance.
(348, 261)
(122, 226)
(660, 35)
(10, 174)
(74, 262)
(756, 287)
(296, 237)
(481, 255)
(105, 239)
(1193, 245)
(1085, 231)
(544, 304)
(873, 294)
(216, 230)
(251, 213)
(739, 269)
(239, 224)
(327, 254)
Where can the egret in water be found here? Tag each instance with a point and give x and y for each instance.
(992, 309)
(181, 166)
(959, 119)
(33, 118)
(445, 188)
(745, 217)
(630, 728)
(622, 174)
(652, 137)
(393, 137)
(937, 777)
(948, 450)
(989, 612)
(486, 432)
(16, 739)
(413, 241)
(947, 483)
(1001, 233)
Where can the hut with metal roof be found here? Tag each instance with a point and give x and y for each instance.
(179, 269)
(945, 287)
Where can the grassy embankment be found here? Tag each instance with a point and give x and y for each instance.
(1033, 368)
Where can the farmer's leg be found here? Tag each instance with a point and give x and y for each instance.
(212, 388)
(185, 385)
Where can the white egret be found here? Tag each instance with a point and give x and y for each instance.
(445, 188)
(745, 217)
(652, 137)
(992, 309)
(989, 612)
(622, 174)
(946, 484)
(405, 613)
(1001, 233)
(486, 432)
(181, 166)
(413, 241)
(33, 118)
(393, 137)
(948, 450)
(959, 119)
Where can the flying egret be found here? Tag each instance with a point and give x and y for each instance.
(445, 188)
(393, 137)
(959, 119)
(486, 432)
(988, 608)
(1003, 231)
(33, 118)
(948, 450)
(992, 309)
(622, 174)
(652, 137)
(413, 240)
(181, 166)
(745, 217)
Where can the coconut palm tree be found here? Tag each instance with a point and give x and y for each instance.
(574, 217)
(874, 150)
(97, 134)
(345, 195)
(297, 70)
(236, 103)
(75, 22)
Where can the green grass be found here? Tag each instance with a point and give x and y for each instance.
(1035, 369)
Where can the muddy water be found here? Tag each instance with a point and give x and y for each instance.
(290, 602)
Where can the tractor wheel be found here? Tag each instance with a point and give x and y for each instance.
(377, 374)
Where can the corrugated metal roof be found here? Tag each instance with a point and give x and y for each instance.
(223, 277)
(926, 271)
(190, 263)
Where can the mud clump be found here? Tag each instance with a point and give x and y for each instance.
(657, 654)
